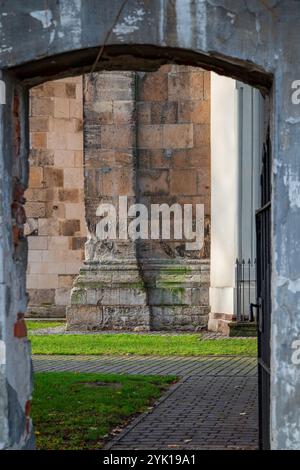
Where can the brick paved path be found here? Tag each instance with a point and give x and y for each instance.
(149, 365)
(214, 405)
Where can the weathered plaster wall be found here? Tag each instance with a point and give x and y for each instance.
(251, 41)
(55, 227)
(15, 361)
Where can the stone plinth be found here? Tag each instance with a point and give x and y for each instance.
(177, 292)
(109, 295)
(159, 295)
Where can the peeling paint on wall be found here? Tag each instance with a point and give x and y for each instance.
(130, 24)
(44, 16)
(2, 352)
(292, 285)
(184, 26)
(291, 180)
(2, 92)
(70, 19)
(201, 23)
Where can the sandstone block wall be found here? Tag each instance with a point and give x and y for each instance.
(146, 136)
(173, 116)
(55, 227)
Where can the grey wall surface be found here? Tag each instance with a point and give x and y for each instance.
(253, 41)
(15, 355)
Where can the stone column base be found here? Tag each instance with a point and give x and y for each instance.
(220, 322)
(109, 296)
(158, 295)
(177, 293)
(102, 317)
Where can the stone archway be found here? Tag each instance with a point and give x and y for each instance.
(248, 41)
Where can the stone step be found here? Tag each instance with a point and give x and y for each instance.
(243, 329)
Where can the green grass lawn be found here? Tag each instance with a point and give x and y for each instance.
(78, 410)
(37, 325)
(122, 344)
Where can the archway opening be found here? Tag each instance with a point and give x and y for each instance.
(19, 74)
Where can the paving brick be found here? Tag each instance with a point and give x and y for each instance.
(201, 413)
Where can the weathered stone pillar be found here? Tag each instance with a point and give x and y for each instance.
(109, 292)
(147, 137)
(174, 168)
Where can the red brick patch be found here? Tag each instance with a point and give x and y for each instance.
(20, 328)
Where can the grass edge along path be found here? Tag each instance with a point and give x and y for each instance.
(76, 411)
(39, 325)
(141, 345)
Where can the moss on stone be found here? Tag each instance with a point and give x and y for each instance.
(172, 277)
(78, 296)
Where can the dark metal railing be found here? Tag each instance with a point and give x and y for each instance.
(245, 289)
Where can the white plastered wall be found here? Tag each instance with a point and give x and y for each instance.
(224, 195)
